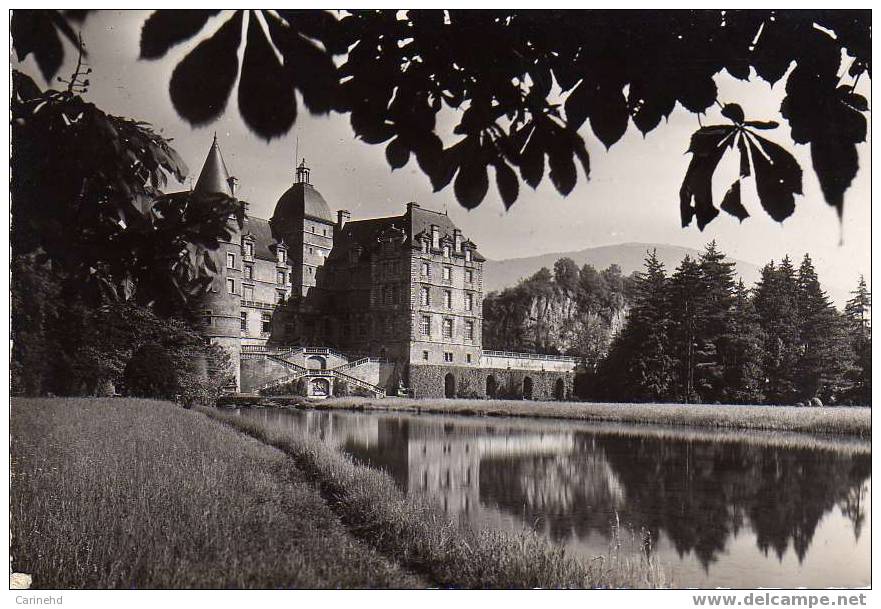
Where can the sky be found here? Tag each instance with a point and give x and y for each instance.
(632, 194)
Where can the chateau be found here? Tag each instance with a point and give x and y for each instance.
(324, 302)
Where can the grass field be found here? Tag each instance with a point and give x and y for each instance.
(118, 493)
(424, 540)
(140, 494)
(840, 420)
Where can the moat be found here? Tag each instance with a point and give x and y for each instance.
(747, 510)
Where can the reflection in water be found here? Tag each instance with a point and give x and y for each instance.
(698, 495)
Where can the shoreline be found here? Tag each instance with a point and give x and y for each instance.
(841, 420)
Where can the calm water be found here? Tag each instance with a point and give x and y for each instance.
(729, 510)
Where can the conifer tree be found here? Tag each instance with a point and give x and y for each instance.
(686, 318)
(715, 335)
(743, 374)
(639, 367)
(857, 315)
(776, 303)
(824, 353)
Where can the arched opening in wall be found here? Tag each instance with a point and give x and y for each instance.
(316, 362)
(492, 386)
(527, 388)
(319, 388)
(559, 389)
(449, 385)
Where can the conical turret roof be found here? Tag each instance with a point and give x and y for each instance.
(214, 176)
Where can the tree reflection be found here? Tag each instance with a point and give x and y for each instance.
(697, 493)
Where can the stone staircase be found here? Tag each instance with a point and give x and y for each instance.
(341, 372)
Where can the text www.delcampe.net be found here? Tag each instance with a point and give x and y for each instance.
(769, 599)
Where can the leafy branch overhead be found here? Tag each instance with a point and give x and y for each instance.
(777, 174)
(87, 197)
(524, 85)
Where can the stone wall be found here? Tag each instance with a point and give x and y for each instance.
(257, 370)
(431, 382)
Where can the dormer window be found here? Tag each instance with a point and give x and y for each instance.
(467, 255)
(248, 247)
(281, 255)
(424, 246)
(446, 251)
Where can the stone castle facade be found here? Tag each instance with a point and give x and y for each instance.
(321, 301)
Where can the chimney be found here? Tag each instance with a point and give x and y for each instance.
(233, 182)
(411, 205)
(435, 237)
(342, 216)
(457, 240)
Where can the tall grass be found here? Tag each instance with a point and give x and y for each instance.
(840, 420)
(424, 540)
(143, 494)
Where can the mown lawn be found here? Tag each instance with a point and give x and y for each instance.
(120, 493)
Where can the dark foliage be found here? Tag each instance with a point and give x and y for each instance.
(700, 337)
(497, 70)
(68, 346)
(87, 196)
(151, 373)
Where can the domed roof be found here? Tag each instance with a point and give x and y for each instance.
(302, 200)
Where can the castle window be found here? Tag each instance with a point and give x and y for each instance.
(247, 292)
(446, 251)
(448, 273)
(324, 232)
(266, 323)
(425, 356)
(448, 328)
(469, 301)
(230, 260)
(468, 358)
(426, 269)
(231, 286)
(469, 330)
(279, 296)
(426, 325)
(311, 251)
(249, 271)
(280, 278)
(448, 299)
(425, 296)
(467, 255)
(206, 318)
(244, 321)
(448, 357)
(312, 228)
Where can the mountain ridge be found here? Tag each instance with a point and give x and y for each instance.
(500, 274)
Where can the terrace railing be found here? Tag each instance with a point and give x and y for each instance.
(535, 356)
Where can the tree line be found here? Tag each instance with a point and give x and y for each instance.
(697, 335)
